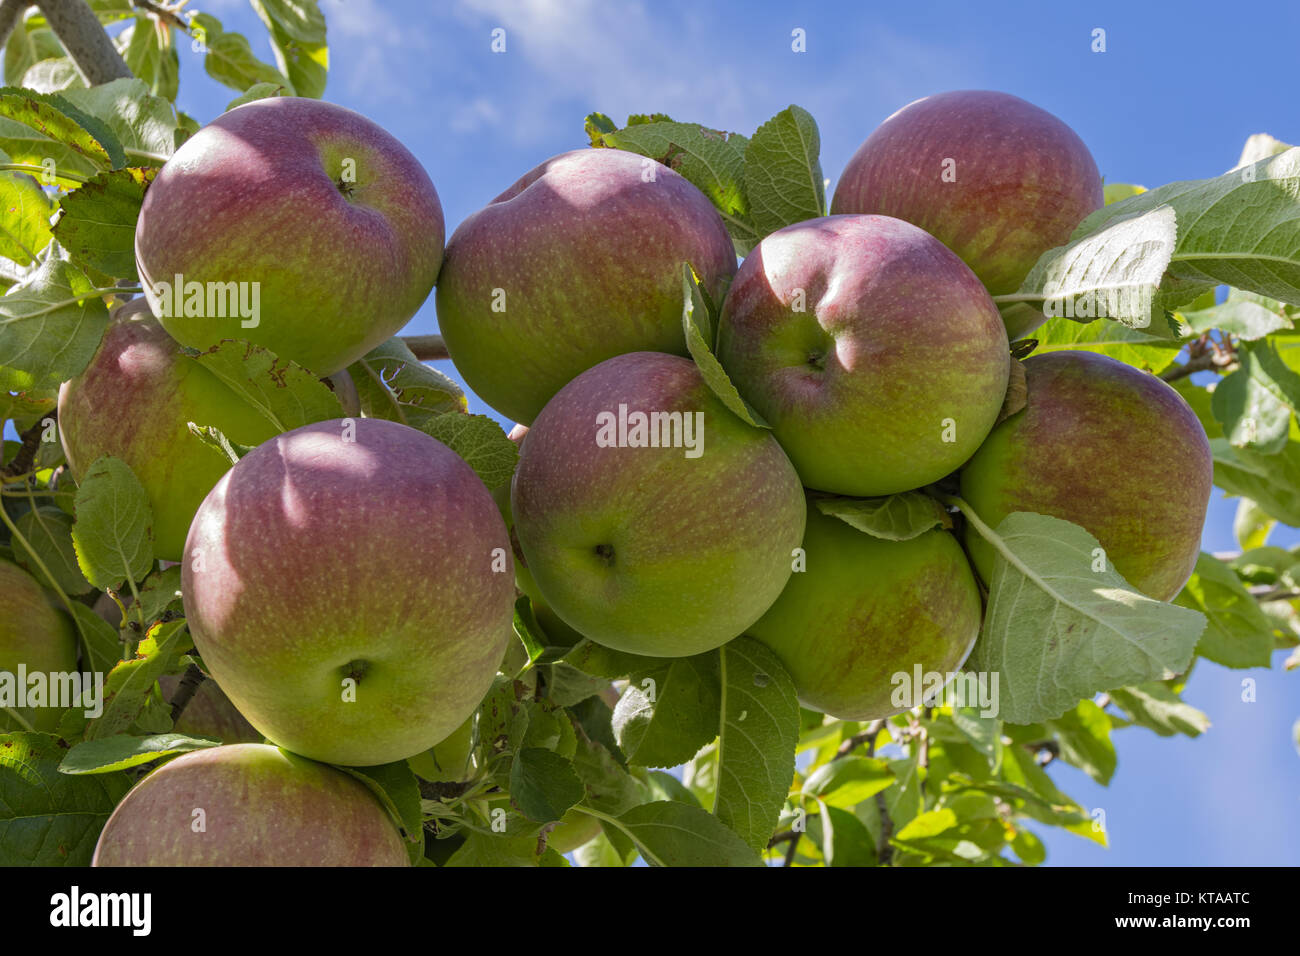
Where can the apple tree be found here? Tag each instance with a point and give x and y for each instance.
(928, 523)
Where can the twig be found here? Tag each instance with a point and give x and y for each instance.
(86, 41)
(163, 12)
(865, 736)
(185, 691)
(1203, 355)
(790, 850)
(427, 348)
(26, 457)
(11, 11)
(884, 852)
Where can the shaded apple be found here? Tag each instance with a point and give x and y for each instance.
(875, 354)
(35, 634)
(1110, 448)
(209, 713)
(866, 609)
(139, 367)
(349, 586)
(249, 805)
(324, 215)
(648, 549)
(995, 178)
(448, 761)
(578, 261)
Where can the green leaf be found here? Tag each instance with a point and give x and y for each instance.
(983, 733)
(147, 48)
(1272, 481)
(1251, 525)
(1243, 314)
(609, 788)
(1112, 339)
(1158, 708)
(847, 781)
(393, 384)
(1240, 229)
(668, 833)
(96, 224)
(56, 119)
(50, 325)
(490, 849)
(228, 58)
(1083, 734)
(844, 839)
(543, 785)
(48, 818)
(297, 30)
(49, 532)
(1112, 271)
(28, 45)
(283, 392)
(113, 531)
(783, 173)
(1239, 634)
(894, 518)
(122, 751)
(1058, 631)
(130, 684)
(25, 223)
(103, 648)
(697, 325)
(567, 685)
(53, 76)
(480, 441)
(1254, 403)
(258, 91)
(669, 712)
(1028, 847)
(756, 746)
(597, 851)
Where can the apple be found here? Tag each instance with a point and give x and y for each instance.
(876, 356)
(249, 805)
(349, 586)
(995, 178)
(330, 230)
(210, 713)
(578, 261)
(448, 761)
(664, 551)
(1105, 446)
(35, 634)
(866, 609)
(575, 829)
(140, 367)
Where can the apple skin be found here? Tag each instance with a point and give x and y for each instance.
(589, 256)
(1024, 180)
(895, 336)
(262, 807)
(316, 559)
(642, 549)
(257, 196)
(210, 714)
(35, 633)
(1110, 448)
(139, 365)
(866, 609)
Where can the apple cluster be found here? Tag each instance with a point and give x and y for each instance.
(350, 585)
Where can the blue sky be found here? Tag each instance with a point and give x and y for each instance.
(1177, 92)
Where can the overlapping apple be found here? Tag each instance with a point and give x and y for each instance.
(867, 339)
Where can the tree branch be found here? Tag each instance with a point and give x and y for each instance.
(26, 457)
(11, 12)
(81, 34)
(427, 348)
(165, 12)
(185, 690)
